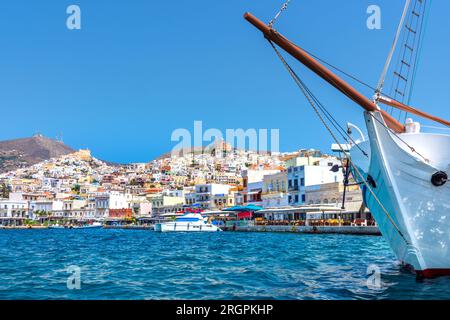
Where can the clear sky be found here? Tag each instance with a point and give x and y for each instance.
(137, 70)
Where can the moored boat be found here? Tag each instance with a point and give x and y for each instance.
(95, 225)
(190, 222)
(56, 226)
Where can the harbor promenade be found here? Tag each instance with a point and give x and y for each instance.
(350, 230)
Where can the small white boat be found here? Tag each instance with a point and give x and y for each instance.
(95, 225)
(56, 226)
(190, 222)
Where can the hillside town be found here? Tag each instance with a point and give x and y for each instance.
(77, 187)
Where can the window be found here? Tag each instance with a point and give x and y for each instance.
(296, 198)
(302, 182)
(303, 197)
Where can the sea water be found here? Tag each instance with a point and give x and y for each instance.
(133, 264)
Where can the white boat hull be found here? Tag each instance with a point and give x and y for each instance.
(415, 219)
(186, 227)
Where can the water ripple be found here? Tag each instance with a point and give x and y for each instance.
(133, 264)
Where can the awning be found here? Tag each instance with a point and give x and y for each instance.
(244, 215)
(250, 207)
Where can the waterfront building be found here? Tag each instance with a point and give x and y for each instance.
(102, 204)
(142, 209)
(211, 195)
(120, 213)
(117, 200)
(275, 190)
(13, 210)
(303, 176)
(38, 207)
(302, 215)
(253, 182)
(161, 200)
(165, 204)
(222, 201)
(332, 194)
(189, 195)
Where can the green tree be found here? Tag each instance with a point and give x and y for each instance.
(4, 190)
(76, 188)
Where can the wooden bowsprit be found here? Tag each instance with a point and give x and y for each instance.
(312, 64)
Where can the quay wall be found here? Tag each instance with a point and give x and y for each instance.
(350, 230)
(130, 227)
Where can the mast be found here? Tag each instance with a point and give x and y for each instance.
(301, 55)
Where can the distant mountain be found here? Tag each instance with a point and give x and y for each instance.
(19, 153)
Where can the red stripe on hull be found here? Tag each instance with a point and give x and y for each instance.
(433, 273)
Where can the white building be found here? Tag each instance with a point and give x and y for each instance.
(301, 177)
(118, 200)
(14, 208)
(205, 194)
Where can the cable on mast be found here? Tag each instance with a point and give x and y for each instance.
(311, 99)
(282, 9)
(394, 46)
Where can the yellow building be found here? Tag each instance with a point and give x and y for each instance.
(83, 154)
(302, 161)
(275, 190)
(159, 200)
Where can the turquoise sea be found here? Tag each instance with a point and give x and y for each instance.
(129, 264)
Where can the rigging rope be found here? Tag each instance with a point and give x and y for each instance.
(394, 46)
(283, 8)
(435, 128)
(413, 150)
(407, 59)
(424, 26)
(388, 62)
(344, 134)
(305, 92)
(340, 70)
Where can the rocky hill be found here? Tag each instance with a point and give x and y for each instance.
(24, 152)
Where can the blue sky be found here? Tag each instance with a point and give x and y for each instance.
(137, 70)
